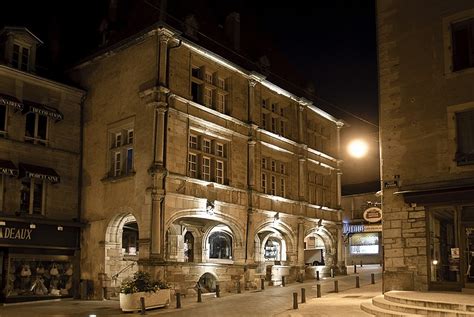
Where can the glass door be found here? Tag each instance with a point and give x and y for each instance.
(467, 219)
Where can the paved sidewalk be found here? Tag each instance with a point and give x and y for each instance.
(273, 301)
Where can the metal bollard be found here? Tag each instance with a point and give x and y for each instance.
(317, 275)
(332, 272)
(238, 287)
(318, 290)
(295, 300)
(262, 283)
(355, 269)
(283, 281)
(178, 300)
(199, 295)
(360, 263)
(357, 282)
(303, 295)
(372, 278)
(218, 291)
(336, 286)
(142, 306)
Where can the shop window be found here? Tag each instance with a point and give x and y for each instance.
(130, 238)
(122, 152)
(220, 245)
(39, 276)
(364, 243)
(36, 130)
(463, 44)
(32, 196)
(465, 137)
(20, 57)
(272, 250)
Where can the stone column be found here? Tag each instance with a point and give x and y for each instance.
(301, 179)
(252, 109)
(164, 37)
(301, 242)
(251, 164)
(250, 237)
(341, 261)
(300, 124)
(160, 135)
(157, 243)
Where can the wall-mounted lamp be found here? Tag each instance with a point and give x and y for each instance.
(60, 228)
(210, 207)
(32, 226)
(435, 262)
(276, 218)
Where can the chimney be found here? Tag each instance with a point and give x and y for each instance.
(232, 29)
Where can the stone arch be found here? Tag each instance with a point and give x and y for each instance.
(283, 228)
(273, 234)
(117, 267)
(214, 229)
(328, 254)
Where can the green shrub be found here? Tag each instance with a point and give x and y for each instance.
(141, 282)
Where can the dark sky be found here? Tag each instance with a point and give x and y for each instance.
(330, 44)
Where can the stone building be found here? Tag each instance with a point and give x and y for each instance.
(426, 80)
(39, 176)
(200, 171)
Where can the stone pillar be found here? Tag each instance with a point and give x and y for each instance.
(301, 124)
(252, 111)
(250, 237)
(300, 242)
(251, 164)
(341, 262)
(301, 178)
(157, 243)
(160, 135)
(164, 37)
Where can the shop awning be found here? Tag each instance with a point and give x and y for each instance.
(442, 194)
(11, 101)
(43, 110)
(8, 168)
(40, 172)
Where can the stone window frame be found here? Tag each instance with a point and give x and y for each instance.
(318, 135)
(214, 156)
(319, 188)
(35, 139)
(121, 140)
(272, 175)
(31, 191)
(447, 42)
(273, 117)
(209, 79)
(21, 46)
(4, 132)
(452, 140)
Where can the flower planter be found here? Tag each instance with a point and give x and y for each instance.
(131, 302)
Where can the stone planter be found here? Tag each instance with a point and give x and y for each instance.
(131, 302)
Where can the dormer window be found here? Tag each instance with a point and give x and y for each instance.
(20, 57)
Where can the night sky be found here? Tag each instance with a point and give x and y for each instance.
(330, 46)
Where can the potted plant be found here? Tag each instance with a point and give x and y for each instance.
(155, 293)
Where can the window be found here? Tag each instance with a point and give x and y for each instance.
(465, 137)
(220, 103)
(36, 129)
(207, 162)
(32, 196)
(220, 245)
(221, 83)
(209, 88)
(463, 44)
(208, 97)
(319, 187)
(264, 120)
(276, 173)
(130, 238)
(208, 78)
(195, 92)
(196, 72)
(122, 152)
(274, 125)
(273, 117)
(319, 136)
(20, 57)
(3, 120)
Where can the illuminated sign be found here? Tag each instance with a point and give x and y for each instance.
(373, 214)
(347, 228)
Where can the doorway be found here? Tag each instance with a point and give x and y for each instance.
(467, 221)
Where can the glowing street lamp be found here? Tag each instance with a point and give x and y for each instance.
(358, 148)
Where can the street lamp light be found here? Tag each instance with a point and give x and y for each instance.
(358, 148)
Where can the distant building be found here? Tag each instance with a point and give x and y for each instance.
(201, 171)
(39, 176)
(426, 80)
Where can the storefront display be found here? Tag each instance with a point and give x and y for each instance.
(364, 243)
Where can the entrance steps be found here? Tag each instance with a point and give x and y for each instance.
(404, 303)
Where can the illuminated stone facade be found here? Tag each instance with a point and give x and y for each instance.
(426, 85)
(224, 172)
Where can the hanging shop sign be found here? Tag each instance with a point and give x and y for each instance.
(10, 101)
(373, 214)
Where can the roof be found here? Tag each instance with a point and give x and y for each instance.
(20, 29)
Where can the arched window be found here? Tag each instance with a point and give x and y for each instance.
(220, 245)
(272, 249)
(188, 247)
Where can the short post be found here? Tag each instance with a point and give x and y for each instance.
(318, 290)
(360, 263)
(336, 286)
(332, 272)
(238, 287)
(262, 284)
(283, 281)
(199, 295)
(295, 300)
(317, 275)
(218, 291)
(303, 295)
(381, 263)
(142, 306)
(355, 269)
(178, 300)
(357, 282)
(372, 278)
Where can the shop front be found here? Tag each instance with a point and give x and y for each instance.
(363, 243)
(39, 259)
